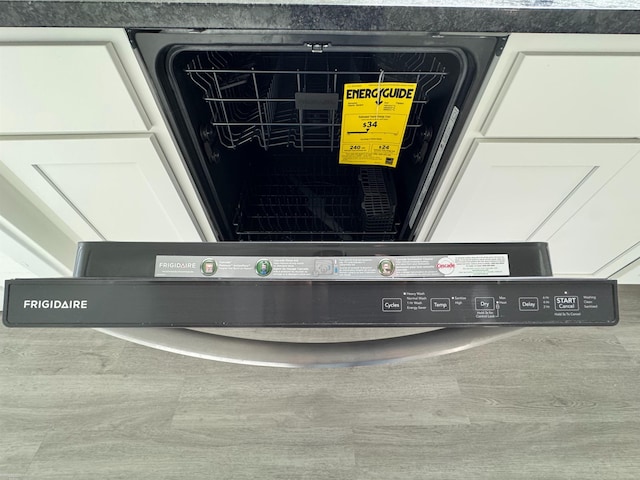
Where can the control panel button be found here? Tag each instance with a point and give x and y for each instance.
(528, 304)
(485, 303)
(440, 304)
(391, 304)
(564, 303)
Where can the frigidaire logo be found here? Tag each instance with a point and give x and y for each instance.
(55, 304)
(186, 265)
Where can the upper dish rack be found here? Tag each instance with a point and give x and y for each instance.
(255, 97)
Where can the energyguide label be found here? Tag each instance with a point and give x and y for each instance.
(331, 268)
(374, 118)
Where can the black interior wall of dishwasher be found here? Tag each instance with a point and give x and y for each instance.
(230, 173)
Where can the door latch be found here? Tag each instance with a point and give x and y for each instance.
(317, 47)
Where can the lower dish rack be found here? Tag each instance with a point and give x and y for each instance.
(315, 199)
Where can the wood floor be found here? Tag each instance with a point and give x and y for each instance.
(547, 403)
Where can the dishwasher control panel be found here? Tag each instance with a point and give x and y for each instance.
(104, 302)
(511, 302)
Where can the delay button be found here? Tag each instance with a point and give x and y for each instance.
(528, 304)
(440, 304)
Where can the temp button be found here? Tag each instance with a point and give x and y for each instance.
(528, 304)
(440, 304)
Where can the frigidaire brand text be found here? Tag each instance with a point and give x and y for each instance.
(55, 304)
(177, 265)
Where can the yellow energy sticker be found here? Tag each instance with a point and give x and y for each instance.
(374, 118)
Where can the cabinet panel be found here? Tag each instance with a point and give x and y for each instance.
(17, 260)
(113, 188)
(604, 228)
(517, 191)
(64, 88)
(9, 269)
(631, 273)
(569, 96)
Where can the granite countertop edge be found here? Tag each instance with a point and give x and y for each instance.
(162, 15)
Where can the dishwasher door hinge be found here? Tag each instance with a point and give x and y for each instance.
(502, 42)
(317, 47)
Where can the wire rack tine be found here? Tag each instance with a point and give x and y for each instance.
(264, 121)
(300, 114)
(308, 72)
(224, 110)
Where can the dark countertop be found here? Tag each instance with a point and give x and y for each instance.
(543, 16)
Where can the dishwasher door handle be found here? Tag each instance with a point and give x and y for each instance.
(311, 355)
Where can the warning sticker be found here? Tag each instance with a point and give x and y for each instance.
(332, 268)
(489, 265)
(374, 118)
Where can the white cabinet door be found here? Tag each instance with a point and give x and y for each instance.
(30, 244)
(18, 260)
(569, 96)
(517, 191)
(599, 237)
(631, 273)
(65, 88)
(106, 187)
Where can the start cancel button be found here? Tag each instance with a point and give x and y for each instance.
(566, 303)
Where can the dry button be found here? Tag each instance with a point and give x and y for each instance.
(528, 304)
(208, 267)
(485, 303)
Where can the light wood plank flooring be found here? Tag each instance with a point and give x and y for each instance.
(547, 403)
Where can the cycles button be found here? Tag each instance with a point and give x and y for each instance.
(391, 304)
(440, 305)
(528, 304)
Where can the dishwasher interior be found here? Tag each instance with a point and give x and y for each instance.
(260, 129)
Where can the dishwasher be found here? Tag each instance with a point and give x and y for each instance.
(259, 119)
(315, 155)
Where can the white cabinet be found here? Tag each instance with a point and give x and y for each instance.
(569, 96)
(631, 273)
(18, 261)
(66, 88)
(83, 139)
(552, 153)
(595, 239)
(578, 196)
(105, 187)
(30, 244)
(511, 191)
